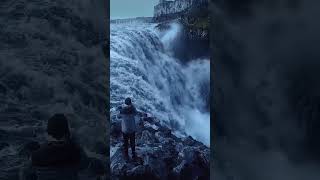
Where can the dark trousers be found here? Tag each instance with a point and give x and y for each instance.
(132, 138)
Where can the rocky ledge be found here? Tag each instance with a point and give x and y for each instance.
(161, 154)
(193, 41)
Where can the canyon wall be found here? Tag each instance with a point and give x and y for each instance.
(177, 6)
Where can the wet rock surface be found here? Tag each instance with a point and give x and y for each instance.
(193, 41)
(161, 154)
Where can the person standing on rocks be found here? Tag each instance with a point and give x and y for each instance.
(128, 126)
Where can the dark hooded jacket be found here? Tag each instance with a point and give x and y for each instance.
(59, 160)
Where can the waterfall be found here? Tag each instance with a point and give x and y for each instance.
(143, 68)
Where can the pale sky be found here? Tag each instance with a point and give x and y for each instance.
(131, 8)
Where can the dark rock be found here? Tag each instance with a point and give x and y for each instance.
(169, 8)
(163, 26)
(146, 138)
(161, 155)
(195, 165)
(189, 141)
(193, 40)
(165, 131)
(149, 119)
(139, 172)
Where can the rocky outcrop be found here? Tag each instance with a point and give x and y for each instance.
(193, 16)
(190, 44)
(161, 154)
(172, 7)
(193, 40)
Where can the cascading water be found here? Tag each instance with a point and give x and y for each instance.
(142, 67)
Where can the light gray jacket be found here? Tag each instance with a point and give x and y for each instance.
(127, 115)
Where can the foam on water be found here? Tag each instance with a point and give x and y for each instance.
(143, 68)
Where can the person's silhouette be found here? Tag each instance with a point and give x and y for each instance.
(128, 127)
(60, 157)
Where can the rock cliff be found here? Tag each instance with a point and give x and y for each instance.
(177, 6)
(161, 154)
(193, 41)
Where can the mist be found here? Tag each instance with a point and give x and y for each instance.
(176, 93)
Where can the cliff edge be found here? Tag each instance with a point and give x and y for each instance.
(161, 154)
(193, 16)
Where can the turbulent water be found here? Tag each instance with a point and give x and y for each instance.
(142, 67)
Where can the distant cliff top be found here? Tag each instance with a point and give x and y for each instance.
(132, 20)
(165, 7)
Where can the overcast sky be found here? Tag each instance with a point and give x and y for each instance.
(131, 8)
